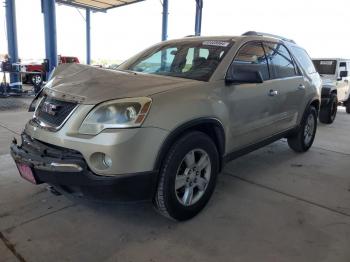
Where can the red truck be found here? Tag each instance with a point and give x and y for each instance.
(37, 79)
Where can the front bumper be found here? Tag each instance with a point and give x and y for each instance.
(132, 150)
(67, 171)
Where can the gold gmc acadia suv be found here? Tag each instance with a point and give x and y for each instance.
(162, 126)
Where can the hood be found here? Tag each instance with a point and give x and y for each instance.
(328, 81)
(91, 85)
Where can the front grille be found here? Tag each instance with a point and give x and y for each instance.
(54, 112)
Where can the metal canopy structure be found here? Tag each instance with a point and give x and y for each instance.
(98, 5)
(49, 11)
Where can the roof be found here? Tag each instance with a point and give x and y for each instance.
(98, 5)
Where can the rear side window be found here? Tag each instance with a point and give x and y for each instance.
(280, 61)
(304, 59)
(252, 57)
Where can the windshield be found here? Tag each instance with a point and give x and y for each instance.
(325, 67)
(191, 59)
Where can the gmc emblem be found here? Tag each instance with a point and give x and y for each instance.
(50, 109)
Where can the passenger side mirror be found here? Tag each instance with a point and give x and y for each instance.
(244, 76)
(343, 74)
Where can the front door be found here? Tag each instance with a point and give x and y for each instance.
(252, 106)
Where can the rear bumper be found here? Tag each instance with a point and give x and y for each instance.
(67, 171)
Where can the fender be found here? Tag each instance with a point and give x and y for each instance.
(210, 126)
(315, 100)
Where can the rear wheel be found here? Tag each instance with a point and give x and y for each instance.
(329, 111)
(303, 139)
(188, 177)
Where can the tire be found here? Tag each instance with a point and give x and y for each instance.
(36, 79)
(329, 112)
(347, 108)
(302, 140)
(178, 165)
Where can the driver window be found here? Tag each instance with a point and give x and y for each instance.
(251, 57)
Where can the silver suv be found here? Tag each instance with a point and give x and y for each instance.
(163, 125)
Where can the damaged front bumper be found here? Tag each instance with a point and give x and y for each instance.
(67, 171)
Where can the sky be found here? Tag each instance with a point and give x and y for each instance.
(317, 25)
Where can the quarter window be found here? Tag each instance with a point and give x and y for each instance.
(280, 61)
(252, 57)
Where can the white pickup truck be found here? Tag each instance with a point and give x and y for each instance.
(335, 86)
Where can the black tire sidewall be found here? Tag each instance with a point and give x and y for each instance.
(334, 100)
(326, 115)
(347, 107)
(187, 143)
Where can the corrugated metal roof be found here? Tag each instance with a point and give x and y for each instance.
(98, 5)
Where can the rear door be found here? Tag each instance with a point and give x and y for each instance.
(288, 83)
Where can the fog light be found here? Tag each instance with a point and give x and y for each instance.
(107, 161)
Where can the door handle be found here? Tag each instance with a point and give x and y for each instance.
(301, 87)
(273, 92)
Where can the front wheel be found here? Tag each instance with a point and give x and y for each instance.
(187, 177)
(348, 107)
(329, 111)
(303, 139)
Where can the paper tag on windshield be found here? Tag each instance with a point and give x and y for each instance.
(216, 43)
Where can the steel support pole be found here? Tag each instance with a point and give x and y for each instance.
(88, 36)
(165, 20)
(10, 7)
(49, 11)
(198, 23)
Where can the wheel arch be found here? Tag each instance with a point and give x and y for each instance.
(210, 126)
(316, 103)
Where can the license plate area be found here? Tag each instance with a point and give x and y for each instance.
(26, 172)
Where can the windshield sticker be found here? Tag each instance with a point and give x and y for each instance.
(216, 43)
(326, 62)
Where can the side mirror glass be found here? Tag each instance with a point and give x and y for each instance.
(343, 74)
(244, 76)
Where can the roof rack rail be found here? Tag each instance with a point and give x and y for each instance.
(190, 35)
(253, 33)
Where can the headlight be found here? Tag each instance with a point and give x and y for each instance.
(122, 113)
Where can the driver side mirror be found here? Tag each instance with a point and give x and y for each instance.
(243, 76)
